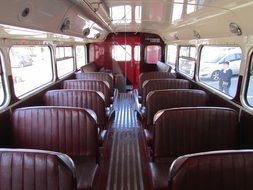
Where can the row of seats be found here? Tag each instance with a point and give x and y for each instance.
(177, 122)
(67, 123)
(68, 130)
(170, 98)
(218, 170)
(36, 169)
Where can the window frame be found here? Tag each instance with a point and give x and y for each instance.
(6, 96)
(187, 58)
(198, 69)
(122, 21)
(173, 65)
(43, 85)
(65, 58)
(245, 83)
(135, 49)
(121, 46)
(85, 56)
(146, 54)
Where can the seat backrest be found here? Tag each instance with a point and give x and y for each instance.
(37, 170)
(153, 75)
(163, 67)
(213, 170)
(101, 86)
(69, 130)
(173, 98)
(78, 98)
(160, 84)
(180, 131)
(90, 67)
(97, 76)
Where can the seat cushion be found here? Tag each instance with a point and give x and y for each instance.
(160, 175)
(86, 173)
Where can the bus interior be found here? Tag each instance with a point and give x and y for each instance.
(140, 94)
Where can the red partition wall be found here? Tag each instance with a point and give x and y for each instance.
(149, 56)
(102, 54)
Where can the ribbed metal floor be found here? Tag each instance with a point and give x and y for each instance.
(125, 162)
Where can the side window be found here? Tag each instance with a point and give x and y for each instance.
(80, 56)
(122, 52)
(187, 60)
(171, 55)
(153, 53)
(64, 61)
(249, 89)
(31, 68)
(137, 51)
(219, 68)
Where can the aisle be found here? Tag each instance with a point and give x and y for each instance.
(125, 162)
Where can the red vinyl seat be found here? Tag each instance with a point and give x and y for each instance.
(72, 131)
(220, 170)
(90, 99)
(153, 75)
(35, 169)
(161, 84)
(90, 67)
(180, 131)
(101, 86)
(171, 98)
(81, 98)
(108, 77)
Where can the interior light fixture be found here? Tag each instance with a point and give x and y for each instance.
(176, 37)
(86, 31)
(235, 29)
(97, 35)
(65, 25)
(196, 34)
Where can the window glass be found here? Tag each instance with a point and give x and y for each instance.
(249, 90)
(171, 55)
(65, 61)
(137, 53)
(80, 56)
(153, 53)
(187, 60)
(68, 51)
(122, 52)
(31, 68)
(177, 11)
(121, 14)
(138, 10)
(219, 68)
